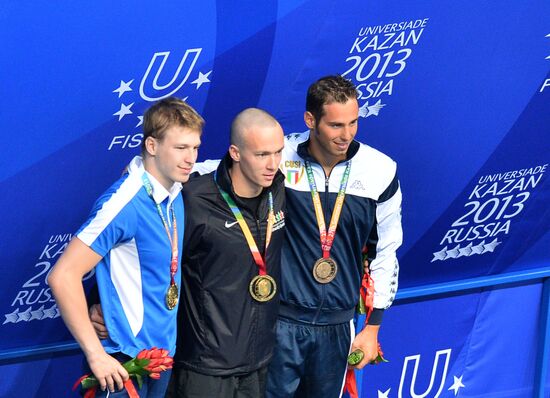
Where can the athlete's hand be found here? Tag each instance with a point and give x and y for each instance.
(96, 316)
(108, 371)
(366, 341)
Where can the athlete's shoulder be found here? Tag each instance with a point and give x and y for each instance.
(294, 139)
(374, 169)
(199, 184)
(372, 156)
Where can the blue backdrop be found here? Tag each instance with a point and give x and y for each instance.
(458, 93)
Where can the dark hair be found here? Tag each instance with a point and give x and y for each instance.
(166, 113)
(327, 90)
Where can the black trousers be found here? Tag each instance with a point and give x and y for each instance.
(188, 384)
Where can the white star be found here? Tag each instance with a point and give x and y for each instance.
(140, 121)
(375, 109)
(490, 247)
(383, 394)
(123, 88)
(25, 316)
(478, 249)
(440, 255)
(203, 78)
(457, 384)
(466, 251)
(453, 253)
(364, 110)
(11, 318)
(51, 312)
(37, 314)
(123, 111)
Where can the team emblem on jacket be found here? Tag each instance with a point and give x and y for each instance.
(279, 220)
(293, 171)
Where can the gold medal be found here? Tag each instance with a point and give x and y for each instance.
(172, 296)
(262, 288)
(324, 270)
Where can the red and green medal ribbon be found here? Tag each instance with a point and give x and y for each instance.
(327, 237)
(172, 294)
(258, 259)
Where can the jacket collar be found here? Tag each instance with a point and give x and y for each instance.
(160, 193)
(223, 178)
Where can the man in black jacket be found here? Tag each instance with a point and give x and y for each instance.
(229, 298)
(234, 232)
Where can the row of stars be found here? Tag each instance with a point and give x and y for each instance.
(467, 251)
(30, 315)
(373, 110)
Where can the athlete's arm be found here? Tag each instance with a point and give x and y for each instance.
(65, 281)
(384, 268)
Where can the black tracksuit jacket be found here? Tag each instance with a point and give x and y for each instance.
(221, 329)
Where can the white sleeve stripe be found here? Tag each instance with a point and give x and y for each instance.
(385, 267)
(110, 209)
(126, 276)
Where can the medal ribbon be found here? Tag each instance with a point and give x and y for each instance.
(327, 238)
(172, 238)
(260, 262)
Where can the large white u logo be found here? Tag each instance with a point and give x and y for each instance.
(416, 359)
(161, 91)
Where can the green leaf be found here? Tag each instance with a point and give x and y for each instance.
(89, 382)
(142, 362)
(131, 366)
(139, 380)
(381, 359)
(361, 309)
(139, 371)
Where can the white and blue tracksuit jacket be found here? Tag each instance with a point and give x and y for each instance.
(371, 217)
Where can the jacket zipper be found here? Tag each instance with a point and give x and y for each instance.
(325, 207)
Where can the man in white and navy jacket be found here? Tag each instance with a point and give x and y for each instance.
(320, 285)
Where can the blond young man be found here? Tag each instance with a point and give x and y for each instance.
(133, 239)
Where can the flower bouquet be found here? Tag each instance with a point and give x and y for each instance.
(147, 363)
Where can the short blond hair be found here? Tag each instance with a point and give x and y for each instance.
(166, 113)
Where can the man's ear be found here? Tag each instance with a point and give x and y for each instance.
(151, 146)
(309, 119)
(234, 153)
